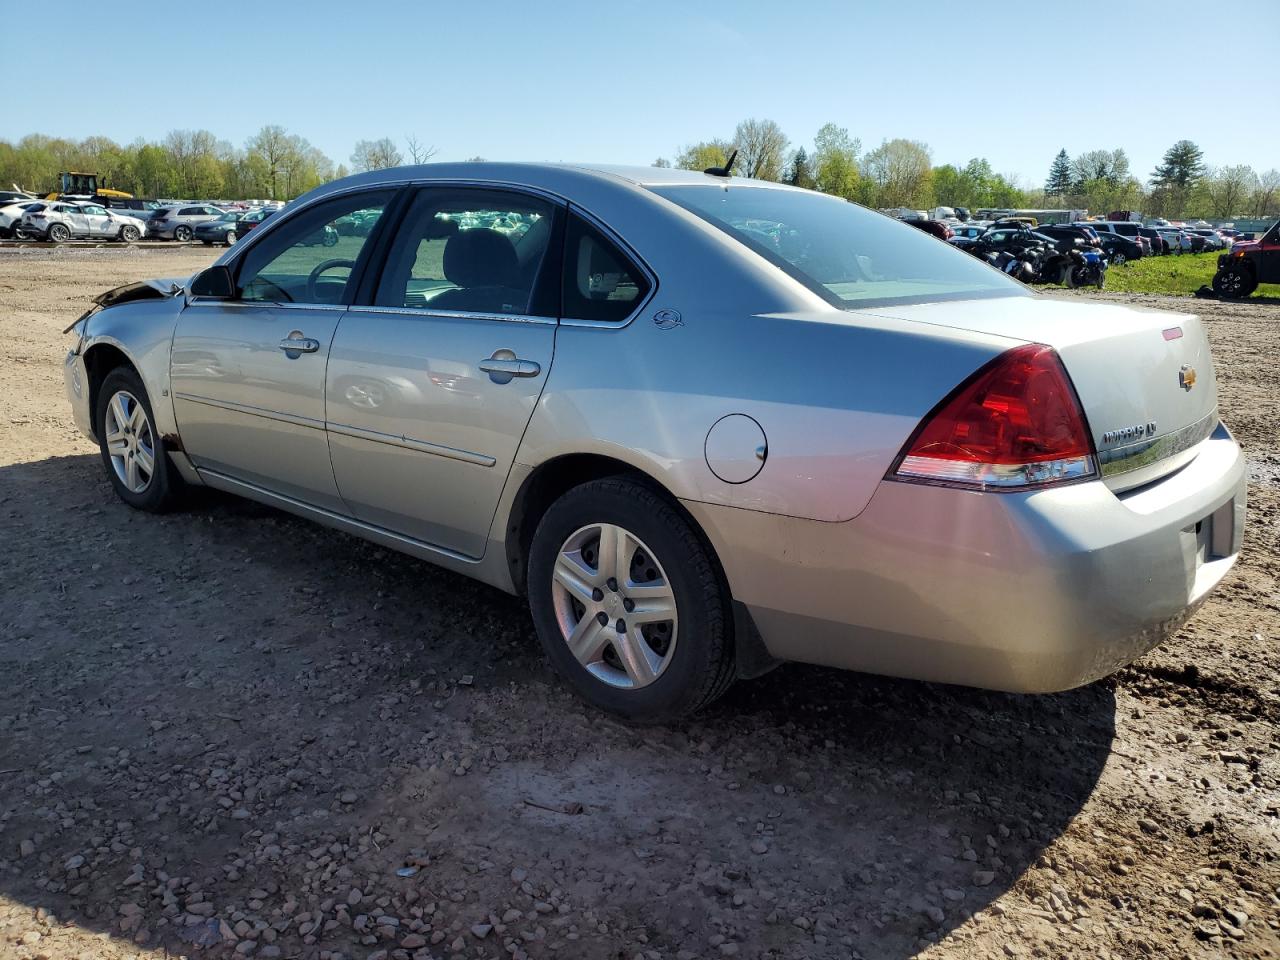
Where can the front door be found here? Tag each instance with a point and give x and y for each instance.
(248, 374)
(1269, 267)
(431, 388)
(97, 222)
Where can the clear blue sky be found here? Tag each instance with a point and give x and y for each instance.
(625, 82)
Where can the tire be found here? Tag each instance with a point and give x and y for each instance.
(157, 490)
(130, 234)
(330, 239)
(230, 239)
(59, 233)
(182, 233)
(687, 660)
(1234, 283)
(1118, 259)
(1072, 276)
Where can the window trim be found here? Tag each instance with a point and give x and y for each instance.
(630, 253)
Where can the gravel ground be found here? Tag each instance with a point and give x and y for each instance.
(230, 732)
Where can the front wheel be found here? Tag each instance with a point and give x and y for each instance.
(1234, 283)
(628, 603)
(230, 238)
(182, 233)
(130, 446)
(130, 234)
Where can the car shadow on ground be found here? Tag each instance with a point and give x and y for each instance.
(209, 700)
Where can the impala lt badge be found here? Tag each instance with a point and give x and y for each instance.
(1187, 377)
(1139, 431)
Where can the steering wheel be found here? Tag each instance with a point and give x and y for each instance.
(320, 268)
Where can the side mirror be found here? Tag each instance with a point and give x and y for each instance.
(215, 284)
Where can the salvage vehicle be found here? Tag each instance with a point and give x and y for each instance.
(697, 449)
(1249, 263)
(179, 222)
(225, 230)
(11, 216)
(61, 221)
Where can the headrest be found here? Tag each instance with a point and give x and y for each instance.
(480, 258)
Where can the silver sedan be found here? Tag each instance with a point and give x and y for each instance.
(705, 424)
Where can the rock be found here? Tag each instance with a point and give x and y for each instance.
(933, 913)
(354, 897)
(26, 848)
(481, 930)
(74, 863)
(413, 941)
(1238, 918)
(952, 894)
(348, 796)
(270, 951)
(30, 938)
(983, 878)
(511, 916)
(519, 875)
(246, 947)
(759, 846)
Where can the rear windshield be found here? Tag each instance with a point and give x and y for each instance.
(845, 253)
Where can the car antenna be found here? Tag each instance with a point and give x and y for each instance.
(723, 171)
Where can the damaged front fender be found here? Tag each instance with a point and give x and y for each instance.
(128, 293)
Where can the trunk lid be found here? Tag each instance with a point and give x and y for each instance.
(1145, 377)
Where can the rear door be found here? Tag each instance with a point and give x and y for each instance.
(74, 218)
(248, 374)
(431, 385)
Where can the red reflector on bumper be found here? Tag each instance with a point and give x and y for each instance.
(1172, 333)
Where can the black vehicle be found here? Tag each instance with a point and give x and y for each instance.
(225, 230)
(1249, 263)
(1066, 230)
(1119, 249)
(1159, 245)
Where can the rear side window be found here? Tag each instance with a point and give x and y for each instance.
(471, 250)
(600, 281)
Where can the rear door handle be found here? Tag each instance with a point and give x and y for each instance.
(300, 345)
(502, 369)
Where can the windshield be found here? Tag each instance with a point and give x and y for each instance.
(845, 253)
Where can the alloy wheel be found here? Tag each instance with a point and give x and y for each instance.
(130, 441)
(615, 606)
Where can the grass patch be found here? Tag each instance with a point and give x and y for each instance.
(1179, 276)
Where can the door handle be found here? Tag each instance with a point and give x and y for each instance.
(502, 369)
(300, 345)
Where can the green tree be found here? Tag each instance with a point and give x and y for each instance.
(700, 156)
(835, 161)
(799, 173)
(1230, 189)
(1059, 182)
(662, 163)
(1182, 166)
(899, 174)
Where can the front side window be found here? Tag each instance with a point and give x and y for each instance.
(95, 211)
(470, 250)
(600, 281)
(846, 254)
(305, 260)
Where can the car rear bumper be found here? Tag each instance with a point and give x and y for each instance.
(1029, 592)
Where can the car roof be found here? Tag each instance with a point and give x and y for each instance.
(555, 177)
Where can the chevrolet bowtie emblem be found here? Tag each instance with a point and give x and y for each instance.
(1187, 377)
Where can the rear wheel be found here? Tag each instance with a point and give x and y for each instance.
(1234, 283)
(130, 234)
(59, 233)
(1118, 258)
(628, 604)
(182, 233)
(136, 463)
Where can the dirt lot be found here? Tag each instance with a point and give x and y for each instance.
(229, 730)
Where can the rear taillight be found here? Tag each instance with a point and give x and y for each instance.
(1014, 424)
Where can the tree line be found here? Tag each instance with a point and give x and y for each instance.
(275, 164)
(900, 173)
